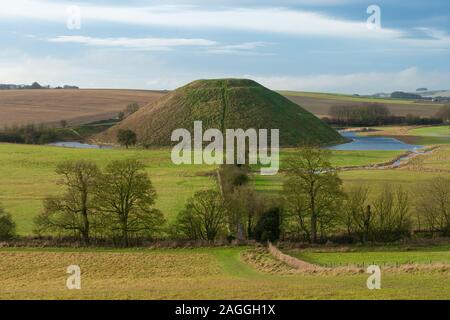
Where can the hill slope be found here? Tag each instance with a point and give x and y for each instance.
(224, 104)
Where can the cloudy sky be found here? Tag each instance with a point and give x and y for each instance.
(307, 45)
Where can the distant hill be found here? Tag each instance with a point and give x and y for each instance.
(223, 104)
(405, 95)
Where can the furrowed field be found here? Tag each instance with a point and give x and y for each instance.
(193, 274)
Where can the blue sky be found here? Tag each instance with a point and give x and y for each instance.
(308, 45)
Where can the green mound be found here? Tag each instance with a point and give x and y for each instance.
(225, 104)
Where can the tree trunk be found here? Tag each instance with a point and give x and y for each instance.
(125, 235)
(85, 232)
(313, 228)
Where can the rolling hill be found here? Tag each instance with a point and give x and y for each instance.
(320, 103)
(224, 104)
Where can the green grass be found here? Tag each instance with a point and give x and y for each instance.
(435, 131)
(379, 256)
(429, 135)
(208, 273)
(27, 175)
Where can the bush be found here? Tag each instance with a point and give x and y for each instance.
(127, 138)
(7, 226)
(268, 226)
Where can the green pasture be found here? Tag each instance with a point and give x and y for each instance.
(364, 256)
(27, 175)
(209, 273)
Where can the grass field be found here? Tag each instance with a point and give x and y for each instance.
(364, 256)
(27, 175)
(320, 103)
(18, 107)
(422, 135)
(189, 274)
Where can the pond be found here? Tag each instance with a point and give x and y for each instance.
(373, 143)
(78, 145)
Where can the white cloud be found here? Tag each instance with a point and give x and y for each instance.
(246, 48)
(263, 19)
(133, 43)
(364, 83)
(279, 20)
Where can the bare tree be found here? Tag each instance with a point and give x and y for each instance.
(357, 214)
(313, 190)
(204, 216)
(72, 211)
(433, 203)
(391, 210)
(125, 198)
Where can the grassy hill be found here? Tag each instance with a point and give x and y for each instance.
(225, 104)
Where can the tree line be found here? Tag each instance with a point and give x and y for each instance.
(376, 114)
(117, 203)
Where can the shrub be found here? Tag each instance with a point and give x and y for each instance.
(268, 226)
(126, 138)
(7, 226)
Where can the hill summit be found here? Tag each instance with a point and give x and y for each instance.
(224, 104)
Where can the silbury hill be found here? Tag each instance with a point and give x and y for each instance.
(224, 104)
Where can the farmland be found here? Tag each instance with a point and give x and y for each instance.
(20, 107)
(87, 105)
(364, 256)
(422, 135)
(204, 273)
(27, 175)
(320, 103)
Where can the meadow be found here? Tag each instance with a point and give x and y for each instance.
(421, 135)
(383, 256)
(27, 175)
(203, 273)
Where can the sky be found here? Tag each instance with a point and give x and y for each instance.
(343, 46)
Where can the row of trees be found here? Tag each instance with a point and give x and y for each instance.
(29, 134)
(371, 114)
(117, 203)
(316, 207)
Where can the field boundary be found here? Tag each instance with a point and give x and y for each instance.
(291, 261)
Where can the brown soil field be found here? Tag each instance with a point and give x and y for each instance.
(321, 106)
(19, 107)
